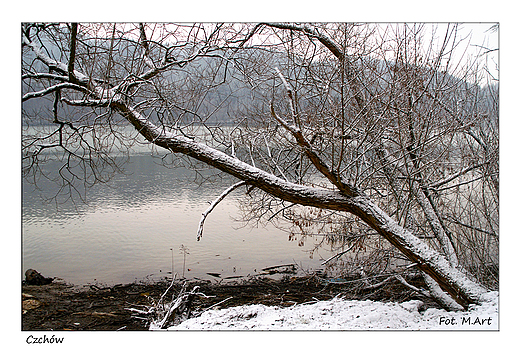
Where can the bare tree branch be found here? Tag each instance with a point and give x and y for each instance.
(52, 89)
(213, 205)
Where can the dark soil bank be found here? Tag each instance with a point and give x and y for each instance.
(59, 306)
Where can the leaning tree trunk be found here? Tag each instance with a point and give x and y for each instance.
(457, 284)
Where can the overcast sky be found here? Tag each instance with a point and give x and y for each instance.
(482, 39)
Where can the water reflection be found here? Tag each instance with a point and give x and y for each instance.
(129, 230)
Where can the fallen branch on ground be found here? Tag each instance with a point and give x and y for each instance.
(163, 315)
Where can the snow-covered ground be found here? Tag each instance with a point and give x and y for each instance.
(340, 314)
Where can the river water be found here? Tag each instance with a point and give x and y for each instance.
(143, 224)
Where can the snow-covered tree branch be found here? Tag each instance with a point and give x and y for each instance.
(372, 135)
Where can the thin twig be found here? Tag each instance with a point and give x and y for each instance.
(338, 254)
(214, 305)
(213, 205)
(455, 175)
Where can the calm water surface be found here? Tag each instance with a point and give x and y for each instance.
(130, 229)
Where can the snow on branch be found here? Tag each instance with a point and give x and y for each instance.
(52, 89)
(440, 296)
(401, 280)
(290, 97)
(213, 205)
(90, 103)
(44, 76)
(58, 66)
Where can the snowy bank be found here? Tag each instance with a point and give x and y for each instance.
(340, 314)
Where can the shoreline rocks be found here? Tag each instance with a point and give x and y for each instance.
(33, 277)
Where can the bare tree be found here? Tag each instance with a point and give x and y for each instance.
(349, 130)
